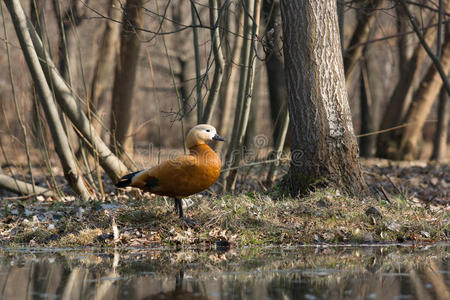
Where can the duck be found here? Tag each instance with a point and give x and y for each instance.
(184, 175)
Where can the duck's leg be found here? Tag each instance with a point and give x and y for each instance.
(176, 205)
(179, 207)
(179, 211)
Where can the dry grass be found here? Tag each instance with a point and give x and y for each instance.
(324, 216)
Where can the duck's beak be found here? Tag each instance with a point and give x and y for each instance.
(218, 138)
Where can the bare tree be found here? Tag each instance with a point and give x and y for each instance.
(56, 128)
(70, 106)
(360, 35)
(227, 89)
(400, 100)
(105, 60)
(125, 75)
(324, 149)
(68, 21)
(421, 105)
(219, 62)
(244, 99)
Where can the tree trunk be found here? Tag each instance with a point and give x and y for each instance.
(67, 23)
(441, 135)
(369, 111)
(235, 151)
(400, 100)
(324, 149)
(219, 62)
(421, 105)
(62, 147)
(230, 73)
(360, 35)
(125, 75)
(109, 162)
(275, 67)
(105, 61)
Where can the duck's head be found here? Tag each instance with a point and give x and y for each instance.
(201, 134)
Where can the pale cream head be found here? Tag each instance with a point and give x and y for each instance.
(201, 134)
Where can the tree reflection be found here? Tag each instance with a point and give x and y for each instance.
(275, 273)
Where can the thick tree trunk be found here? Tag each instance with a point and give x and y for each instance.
(441, 135)
(125, 75)
(324, 149)
(421, 105)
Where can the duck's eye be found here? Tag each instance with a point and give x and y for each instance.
(207, 130)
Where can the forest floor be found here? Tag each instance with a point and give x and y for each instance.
(409, 203)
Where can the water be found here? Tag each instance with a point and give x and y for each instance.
(310, 272)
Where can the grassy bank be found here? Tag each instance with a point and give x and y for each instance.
(142, 220)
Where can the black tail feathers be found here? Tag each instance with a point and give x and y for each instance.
(125, 180)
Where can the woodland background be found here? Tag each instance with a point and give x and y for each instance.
(135, 65)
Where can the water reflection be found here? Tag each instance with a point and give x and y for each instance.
(382, 272)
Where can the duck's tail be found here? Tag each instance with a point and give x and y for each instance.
(126, 180)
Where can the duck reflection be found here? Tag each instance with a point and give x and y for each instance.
(180, 292)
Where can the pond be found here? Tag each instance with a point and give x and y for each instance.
(305, 272)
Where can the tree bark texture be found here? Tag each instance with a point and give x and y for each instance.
(59, 137)
(421, 105)
(125, 75)
(324, 149)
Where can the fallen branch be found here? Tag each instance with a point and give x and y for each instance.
(21, 187)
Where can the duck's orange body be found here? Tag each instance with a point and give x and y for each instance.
(184, 175)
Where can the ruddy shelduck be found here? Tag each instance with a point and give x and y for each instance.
(184, 175)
